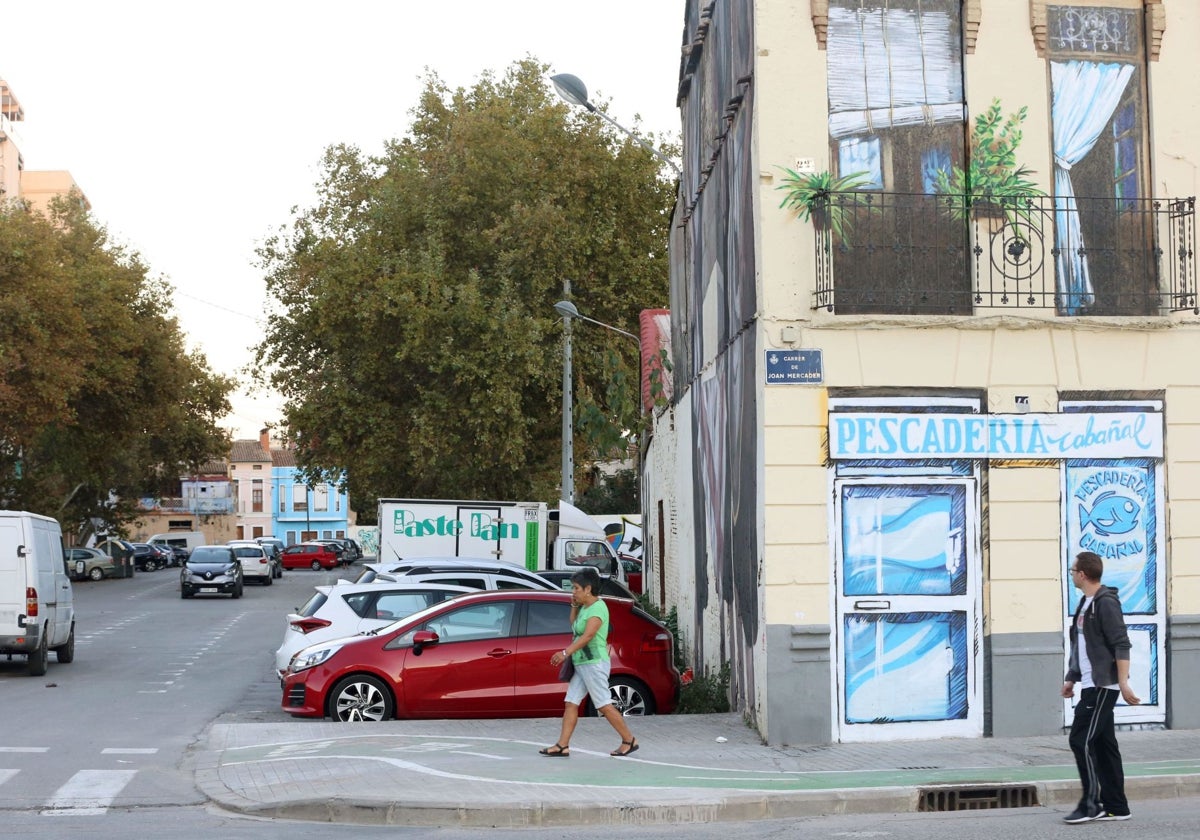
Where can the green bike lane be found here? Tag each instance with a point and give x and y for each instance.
(688, 768)
(501, 760)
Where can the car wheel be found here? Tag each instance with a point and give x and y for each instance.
(268, 581)
(237, 593)
(96, 573)
(37, 659)
(360, 698)
(316, 565)
(631, 697)
(183, 593)
(66, 653)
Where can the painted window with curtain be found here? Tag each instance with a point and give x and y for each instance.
(1097, 89)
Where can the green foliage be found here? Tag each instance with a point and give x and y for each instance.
(813, 194)
(414, 337)
(100, 402)
(614, 494)
(707, 693)
(992, 176)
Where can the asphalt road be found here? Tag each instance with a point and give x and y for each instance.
(101, 748)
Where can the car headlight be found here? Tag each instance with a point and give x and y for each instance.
(311, 657)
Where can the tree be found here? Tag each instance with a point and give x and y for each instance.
(100, 401)
(415, 339)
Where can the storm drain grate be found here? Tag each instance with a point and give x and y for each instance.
(976, 798)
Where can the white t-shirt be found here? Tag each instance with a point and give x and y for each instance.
(1085, 664)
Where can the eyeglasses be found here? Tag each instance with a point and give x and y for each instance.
(1073, 570)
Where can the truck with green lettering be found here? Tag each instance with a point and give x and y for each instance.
(526, 534)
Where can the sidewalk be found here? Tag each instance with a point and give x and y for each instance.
(688, 768)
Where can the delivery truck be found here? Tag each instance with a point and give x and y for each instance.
(526, 534)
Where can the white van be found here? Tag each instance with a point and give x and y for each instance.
(37, 605)
(187, 540)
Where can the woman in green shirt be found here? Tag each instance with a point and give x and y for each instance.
(589, 652)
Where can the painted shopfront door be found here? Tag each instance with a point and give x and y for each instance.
(907, 607)
(1114, 508)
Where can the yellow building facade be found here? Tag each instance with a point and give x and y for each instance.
(960, 355)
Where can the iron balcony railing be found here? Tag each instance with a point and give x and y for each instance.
(902, 253)
(177, 504)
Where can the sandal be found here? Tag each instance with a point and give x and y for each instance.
(632, 745)
(557, 751)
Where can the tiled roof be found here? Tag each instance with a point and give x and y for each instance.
(283, 458)
(248, 450)
(214, 468)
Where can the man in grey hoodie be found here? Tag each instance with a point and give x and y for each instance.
(1100, 664)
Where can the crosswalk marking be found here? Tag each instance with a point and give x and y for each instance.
(88, 793)
(129, 751)
(5, 775)
(24, 749)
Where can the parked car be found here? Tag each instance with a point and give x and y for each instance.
(482, 655)
(89, 564)
(633, 572)
(274, 549)
(475, 572)
(145, 557)
(315, 556)
(353, 551)
(211, 570)
(608, 586)
(347, 609)
(256, 565)
(166, 555)
(338, 548)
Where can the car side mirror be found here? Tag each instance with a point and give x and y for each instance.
(422, 638)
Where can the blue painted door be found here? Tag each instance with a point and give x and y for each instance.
(908, 646)
(1116, 509)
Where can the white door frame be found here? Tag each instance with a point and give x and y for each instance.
(970, 603)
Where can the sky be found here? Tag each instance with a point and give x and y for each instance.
(194, 129)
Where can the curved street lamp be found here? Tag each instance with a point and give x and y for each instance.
(568, 310)
(572, 89)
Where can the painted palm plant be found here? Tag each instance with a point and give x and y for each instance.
(817, 195)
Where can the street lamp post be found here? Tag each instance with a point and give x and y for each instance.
(568, 421)
(572, 89)
(568, 310)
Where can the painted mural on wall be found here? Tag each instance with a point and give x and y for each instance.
(713, 306)
(1112, 508)
(623, 532)
(897, 123)
(908, 638)
(1096, 111)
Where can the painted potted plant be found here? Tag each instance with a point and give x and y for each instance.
(814, 195)
(992, 185)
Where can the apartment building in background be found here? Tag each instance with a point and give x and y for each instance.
(37, 187)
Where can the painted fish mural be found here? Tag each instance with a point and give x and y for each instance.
(1110, 514)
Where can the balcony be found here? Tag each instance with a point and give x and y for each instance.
(176, 504)
(932, 254)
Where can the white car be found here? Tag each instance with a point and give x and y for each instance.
(346, 609)
(475, 572)
(256, 565)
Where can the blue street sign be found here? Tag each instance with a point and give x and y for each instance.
(794, 367)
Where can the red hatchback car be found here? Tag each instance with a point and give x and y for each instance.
(313, 556)
(483, 655)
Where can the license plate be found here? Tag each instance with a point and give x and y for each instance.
(208, 589)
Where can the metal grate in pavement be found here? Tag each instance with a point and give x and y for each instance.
(976, 797)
